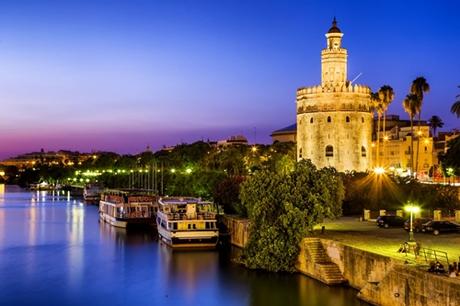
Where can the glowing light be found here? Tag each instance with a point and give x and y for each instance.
(173, 170)
(94, 156)
(379, 170)
(385, 138)
(254, 149)
(373, 144)
(412, 208)
(2, 173)
(188, 170)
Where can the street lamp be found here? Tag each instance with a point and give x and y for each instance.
(412, 209)
(379, 170)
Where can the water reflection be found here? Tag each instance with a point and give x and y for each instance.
(57, 253)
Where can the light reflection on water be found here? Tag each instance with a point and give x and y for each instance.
(53, 251)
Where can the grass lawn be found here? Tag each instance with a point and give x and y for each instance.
(368, 236)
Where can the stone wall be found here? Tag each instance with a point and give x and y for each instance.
(342, 120)
(238, 228)
(388, 282)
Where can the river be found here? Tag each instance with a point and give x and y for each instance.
(54, 251)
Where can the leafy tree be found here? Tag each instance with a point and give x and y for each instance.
(282, 208)
(411, 105)
(105, 160)
(455, 109)
(227, 194)
(419, 87)
(451, 158)
(378, 108)
(435, 123)
(126, 162)
(386, 96)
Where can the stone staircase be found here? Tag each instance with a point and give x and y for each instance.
(324, 269)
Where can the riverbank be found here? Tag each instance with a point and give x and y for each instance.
(54, 251)
(356, 255)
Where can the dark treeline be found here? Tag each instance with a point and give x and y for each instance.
(211, 172)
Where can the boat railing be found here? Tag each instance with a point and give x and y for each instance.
(196, 216)
(134, 214)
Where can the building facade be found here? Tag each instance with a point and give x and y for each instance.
(334, 119)
(394, 151)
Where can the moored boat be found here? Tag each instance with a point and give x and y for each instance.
(187, 223)
(122, 209)
(92, 193)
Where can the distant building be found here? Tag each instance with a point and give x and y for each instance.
(61, 157)
(334, 119)
(442, 140)
(233, 140)
(394, 149)
(287, 134)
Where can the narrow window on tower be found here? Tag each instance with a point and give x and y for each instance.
(363, 151)
(300, 153)
(329, 151)
(347, 119)
(329, 119)
(362, 119)
(311, 120)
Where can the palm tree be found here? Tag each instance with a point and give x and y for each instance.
(455, 109)
(377, 107)
(435, 123)
(419, 87)
(386, 96)
(411, 104)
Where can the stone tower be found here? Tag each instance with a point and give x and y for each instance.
(334, 119)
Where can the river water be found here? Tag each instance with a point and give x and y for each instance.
(53, 251)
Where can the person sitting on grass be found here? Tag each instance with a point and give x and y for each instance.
(404, 248)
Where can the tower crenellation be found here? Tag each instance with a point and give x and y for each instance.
(334, 118)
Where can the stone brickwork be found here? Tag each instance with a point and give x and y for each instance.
(334, 119)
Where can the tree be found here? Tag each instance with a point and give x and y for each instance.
(386, 96)
(410, 104)
(227, 194)
(455, 109)
(419, 87)
(377, 106)
(282, 208)
(451, 159)
(435, 123)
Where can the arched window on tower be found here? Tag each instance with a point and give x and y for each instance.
(363, 152)
(362, 119)
(347, 119)
(329, 119)
(311, 120)
(329, 151)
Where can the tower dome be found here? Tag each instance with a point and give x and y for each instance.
(334, 28)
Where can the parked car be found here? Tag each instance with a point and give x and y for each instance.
(417, 224)
(390, 221)
(437, 227)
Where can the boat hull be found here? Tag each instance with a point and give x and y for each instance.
(124, 223)
(189, 239)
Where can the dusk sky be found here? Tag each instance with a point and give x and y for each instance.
(121, 75)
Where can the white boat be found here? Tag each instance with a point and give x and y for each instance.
(121, 209)
(185, 222)
(92, 193)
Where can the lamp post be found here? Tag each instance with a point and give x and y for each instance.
(411, 209)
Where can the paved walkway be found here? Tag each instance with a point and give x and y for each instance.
(368, 236)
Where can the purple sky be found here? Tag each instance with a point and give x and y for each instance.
(121, 75)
